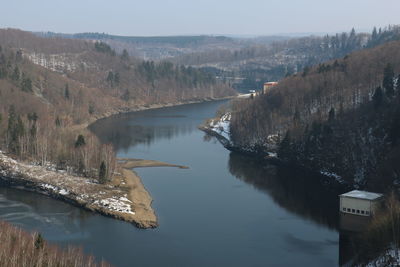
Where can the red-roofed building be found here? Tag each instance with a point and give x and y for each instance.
(268, 86)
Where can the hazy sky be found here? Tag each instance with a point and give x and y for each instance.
(173, 17)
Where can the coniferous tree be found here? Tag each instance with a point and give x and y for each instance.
(388, 78)
(110, 78)
(39, 241)
(103, 173)
(331, 116)
(58, 122)
(33, 117)
(125, 55)
(116, 78)
(91, 109)
(26, 85)
(16, 74)
(377, 98)
(284, 149)
(66, 91)
(80, 141)
(12, 122)
(398, 85)
(374, 38)
(394, 133)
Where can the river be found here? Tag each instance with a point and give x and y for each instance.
(225, 210)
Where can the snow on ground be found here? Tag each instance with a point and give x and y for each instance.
(115, 204)
(390, 258)
(333, 175)
(81, 189)
(222, 126)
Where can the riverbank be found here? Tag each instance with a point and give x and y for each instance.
(220, 130)
(125, 110)
(123, 198)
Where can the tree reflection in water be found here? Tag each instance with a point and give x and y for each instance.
(295, 190)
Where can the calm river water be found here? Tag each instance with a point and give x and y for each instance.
(225, 210)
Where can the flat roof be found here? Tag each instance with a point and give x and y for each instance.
(361, 195)
(271, 83)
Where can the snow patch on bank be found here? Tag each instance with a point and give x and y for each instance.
(116, 204)
(333, 175)
(390, 258)
(46, 179)
(222, 126)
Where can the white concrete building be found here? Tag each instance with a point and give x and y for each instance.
(360, 202)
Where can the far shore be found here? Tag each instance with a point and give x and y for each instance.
(126, 110)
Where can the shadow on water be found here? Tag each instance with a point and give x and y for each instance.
(294, 190)
(125, 131)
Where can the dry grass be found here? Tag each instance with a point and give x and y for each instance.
(19, 248)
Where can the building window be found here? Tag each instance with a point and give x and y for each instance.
(367, 212)
(358, 211)
(362, 212)
(348, 210)
(344, 209)
(353, 210)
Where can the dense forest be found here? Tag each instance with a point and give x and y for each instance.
(154, 47)
(340, 117)
(51, 88)
(259, 63)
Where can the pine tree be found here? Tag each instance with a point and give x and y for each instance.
(58, 122)
(16, 74)
(66, 91)
(377, 98)
(80, 141)
(102, 173)
(331, 116)
(374, 36)
(11, 132)
(125, 55)
(26, 85)
(284, 149)
(116, 78)
(398, 85)
(394, 133)
(39, 241)
(110, 78)
(388, 78)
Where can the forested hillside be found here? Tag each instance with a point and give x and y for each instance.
(259, 63)
(154, 47)
(50, 86)
(341, 117)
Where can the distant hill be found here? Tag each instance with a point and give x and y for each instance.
(50, 87)
(156, 47)
(259, 62)
(179, 41)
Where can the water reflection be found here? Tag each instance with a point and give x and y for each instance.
(293, 190)
(207, 217)
(144, 128)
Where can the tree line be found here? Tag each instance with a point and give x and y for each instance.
(350, 101)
